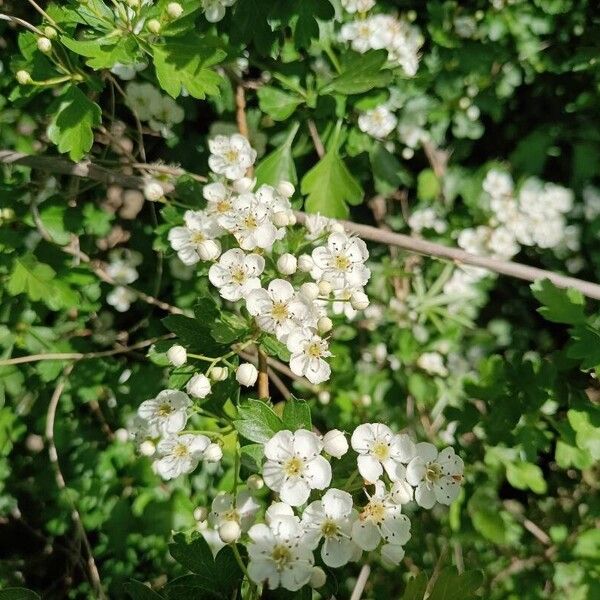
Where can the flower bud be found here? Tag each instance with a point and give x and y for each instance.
(177, 355)
(153, 191)
(336, 227)
(335, 443)
(44, 45)
(219, 373)
(286, 189)
(310, 290)
(229, 532)
(359, 300)
(281, 219)
(366, 400)
(246, 374)
(325, 288)
(324, 325)
(153, 26)
(401, 492)
(198, 386)
(317, 578)
(147, 448)
(305, 263)
(408, 153)
(23, 77)
(244, 185)
(50, 32)
(255, 482)
(214, 453)
(122, 435)
(201, 513)
(287, 264)
(292, 219)
(209, 250)
(174, 10)
(324, 397)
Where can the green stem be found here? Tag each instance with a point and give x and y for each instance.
(351, 480)
(240, 562)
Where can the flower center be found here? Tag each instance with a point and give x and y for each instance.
(433, 473)
(164, 410)
(197, 237)
(238, 275)
(374, 511)
(281, 555)
(231, 155)
(180, 451)
(329, 528)
(231, 515)
(314, 350)
(223, 206)
(250, 222)
(341, 262)
(279, 312)
(380, 450)
(293, 467)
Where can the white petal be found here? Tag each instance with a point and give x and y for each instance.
(317, 371)
(307, 444)
(415, 471)
(294, 491)
(369, 468)
(402, 448)
(424, 496)
(396, 527)
(365, 535)
(363, 438)
(446, 490)
(260, 568)
(281, 290)
(318, 473)
(273, 475)
(393, 553)
(426, 452)
(337, 503)
(258, 302)
(299, 575)
(337, 552)
(280, 446)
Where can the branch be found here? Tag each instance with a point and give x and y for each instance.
(419, 246)
(361, 582)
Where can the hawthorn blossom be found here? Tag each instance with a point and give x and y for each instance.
(378, 449)
(278, 554)
(437, 477)
(498, 184)
(331, 519)
(180, 454)
(143, 99)
(120, 298)
(167, 412)
(277, 309)
(230, 156)
(341, 261)
(214, 10)
(236, 273)
(361, 6)
(122, 272)
(196, 241)
(295, 466)
(218, 198)
(382, 519)
(378, 122)
(433, 363)
(242, 511)
(309, 351)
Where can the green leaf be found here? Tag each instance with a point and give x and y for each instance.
(428, 185)
(257, 422)
(279, 165)
(104, 52)
(415, 588)
(185, 62)
(32, 278)
(18, 593)
(524, 475)
(330, 187)
(250, 24)
(585, 346)
(296, 415)
(586, 423)
(279, 105)
(452, 586)
(195, 556)
(71, 127)
(139, 591)
(560, 305)
(273, 347)
(252, 456)
(360, 73)
(388, 173)
(195, 335)
(228, 328)
(588, 544)
(307, 27)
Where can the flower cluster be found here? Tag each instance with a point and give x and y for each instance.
(122, 270)
(214, 10)
(281, 550)
(293, 304)
(160, 110)
(380, 31)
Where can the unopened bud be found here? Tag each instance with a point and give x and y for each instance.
(153, 191)
(153, 26)
(324, 325)
(366, 400)
(219, 373)
(336, 227)
(174, 10)
(122, 435)
(255, 482)
(201, 514)
(325, 288)
(177, 355)
(44, 45)
(147, 448)
(335, 443)
(246, 374)
(244, 185)
(287, 264)
(359, 300)
(230, 532)
(317, 578)
(324, 397)
(23, 77)
(50, 32)
(305, 263)
(281, 219)
(310, 290)
(209, 250)
(214, 453)
(198, 386)
(286, 189)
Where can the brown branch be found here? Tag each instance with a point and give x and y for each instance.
(278, 383)
(418, 246)
(316, 138)
(263, 375)
(361, 582)
(92, 569)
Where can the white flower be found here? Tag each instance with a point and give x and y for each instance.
(360, 6)
(381, 519)
(278, 555)
(142, 99)
(214, 453)
(219, 200)
(214, 10)
(196, 240)
(436, 477)
(335, 443)
(177, 355)
(250, 222)
(120, 298)
(591, 200)
(331, 519)
(277, 309)
(180, 455)
(502, 243)
(287, 264)
(121, 272)
(236, 273)
(174, 10)
(378, 449)
(378, 122)
(433, 363)
(317, 226)
(426, 218)
(341, 262)
(498, 184)
(167, 112)
(126, 72)
(246, 374)
(359, 34)
(230, 156)
(308, 353)
(198, 386)
(167, 412)
(242, 511)
(153, 191)
(295, 466)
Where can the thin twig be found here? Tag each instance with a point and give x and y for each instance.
(436, 570)
(92, 569)
(263, 375)
(76, 356)
(21, 22)
(361, 582)
(278, 383)
(240, 117)
(314, 134)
